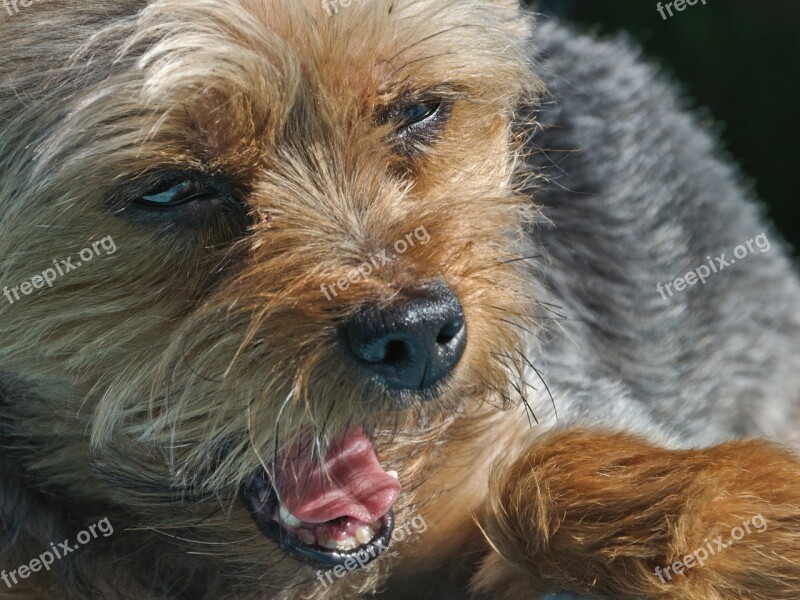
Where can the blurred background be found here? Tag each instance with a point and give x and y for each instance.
(739, 61)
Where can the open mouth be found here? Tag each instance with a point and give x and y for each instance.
(327, 511)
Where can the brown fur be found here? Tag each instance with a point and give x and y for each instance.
(147, 386)
(597, 513)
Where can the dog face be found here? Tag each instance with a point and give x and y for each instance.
(315, 222)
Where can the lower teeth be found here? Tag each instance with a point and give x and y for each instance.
(362, 534)
(326, 540)
(306, 537)
(346, 544)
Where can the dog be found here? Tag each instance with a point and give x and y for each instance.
(382, 316)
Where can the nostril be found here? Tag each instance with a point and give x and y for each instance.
(448, 332)
(397, 352)
(378, 349)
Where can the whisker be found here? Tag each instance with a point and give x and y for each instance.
(539, 375)
(519, 259)
(182, 539)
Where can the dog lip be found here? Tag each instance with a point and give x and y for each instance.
(362, 554)
(263, 505)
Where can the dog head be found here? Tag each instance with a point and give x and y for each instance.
(315, 217)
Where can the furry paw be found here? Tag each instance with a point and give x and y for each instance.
(613, 517)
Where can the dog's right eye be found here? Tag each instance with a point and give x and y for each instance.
(175, 194)
(187, 199)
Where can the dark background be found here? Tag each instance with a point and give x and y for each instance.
(740, 60)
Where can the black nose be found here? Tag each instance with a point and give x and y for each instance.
(414, 342)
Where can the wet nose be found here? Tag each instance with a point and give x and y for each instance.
(412, 343)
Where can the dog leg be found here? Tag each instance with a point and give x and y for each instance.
(612, 517)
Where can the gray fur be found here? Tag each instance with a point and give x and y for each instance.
(638, 193)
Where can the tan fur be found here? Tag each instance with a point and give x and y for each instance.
(149, 360)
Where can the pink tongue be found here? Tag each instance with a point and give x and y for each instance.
(353, 483)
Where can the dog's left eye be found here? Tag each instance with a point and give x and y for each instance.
(175, 194)
(417, 124)
(419, 113)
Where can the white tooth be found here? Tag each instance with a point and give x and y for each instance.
(289, 518)
(393, 474)
(347, 543)
(364, 534)
(306, 536)
(326, 540)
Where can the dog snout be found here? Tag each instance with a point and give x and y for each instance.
(414, 342)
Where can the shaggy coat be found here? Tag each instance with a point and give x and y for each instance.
(585, 440)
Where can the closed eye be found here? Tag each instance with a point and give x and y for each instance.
(174, 194)
(418, 123)
(186, 199)
(419, 114)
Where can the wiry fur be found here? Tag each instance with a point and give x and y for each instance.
(150, 385)
(565, 517)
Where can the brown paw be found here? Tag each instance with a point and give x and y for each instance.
(611, 516)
